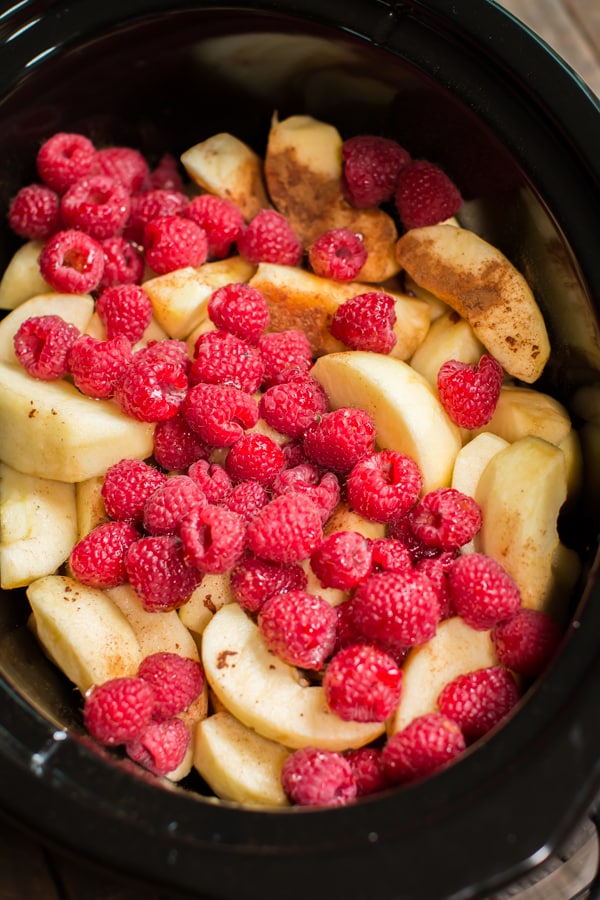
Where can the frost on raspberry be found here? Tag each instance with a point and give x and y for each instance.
(469, 392)
(270, 238)
(299, 628)
(98, 559)
(428, 744)
(96, 366)
(223, 358)
(42, 345)
(293, 406)
(371, 165)
(118, 710)
(481, 591)
(221, 220)
(339, 439)
(339, 254)
(177, 681)
(479, 700)
(34, 212)
(286, 530)
(255, 456)
(173, 242)
(425, 195)
(158, 574)
(445, 518)
(239, 309)
(319, 778)
(527, 641)
(254, 580)
(362, 683)
(366, 322)
(161, 747)
(125, 309)
(72, 262)
(342, 560)
(126, 487)
(384, 485)
(213, 538)
(97, 205)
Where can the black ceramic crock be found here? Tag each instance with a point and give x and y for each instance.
(462, 84)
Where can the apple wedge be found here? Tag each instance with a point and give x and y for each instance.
(470, 462)
(266, 694)
(22, 279)
(449, 337)
(523, 411)
(484, 287)
(156, 632)
(212, 593)
(408, 416)
(90, 505)
(237, 763)
(76, 309)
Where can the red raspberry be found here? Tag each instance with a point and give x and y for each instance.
(338, 254)
(445, 519)
(125, 309)
(118, 710)
(270, 238)
(125, 165)
(294, 454)
(342, 560)
(127, 486)
(478, 700)
(221, 220)
(312, 777)
(98, 559)
(366, 322)
(166, 175)
(151, 205)
(425, 195)
(96, 366)
(173, 242)
(176, 445)
(170, 503)
(34, 213)
(151, 391)
(212, 479)
(255, 457)
(469, 393)
(239, 309)
(384, 485)
(123, 263)
(42, 345)
(72, 262)
(254, 580)
(401, 529)
(371, 168)
(161, 747)
(214, 538)
(286, 530)
(299, 628)
(526, 641)
(292, 407)
(247, 499)
(426, 745)
(322, 489)
(362, 683)
(219, 413)
(390, 555)
(168, 350)
(347, 632)
(222, 358)
(340, 439)
(436, 569)
(158, 573)
(284, 353)
(177, 681)
(396, 609)
(97, 205)
(481, 591)
(63, 159)
(367, 767)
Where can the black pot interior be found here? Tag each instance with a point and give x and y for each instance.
(162, 77)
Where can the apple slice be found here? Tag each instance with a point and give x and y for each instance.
(449, 337)
(90, 505)
(76, 309)
(266, 694)
(484, 287)
(212, 593)
(470, 462)
(38, 526)
(237, 763)
(156, 632)
(22, 279)
(50, 430)
(408, 416)
(523, 411)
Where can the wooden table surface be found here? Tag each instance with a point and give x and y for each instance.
(29, 871)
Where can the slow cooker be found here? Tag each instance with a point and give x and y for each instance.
(462, 84)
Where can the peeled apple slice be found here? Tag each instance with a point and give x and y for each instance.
(22, 278)
(77, 309)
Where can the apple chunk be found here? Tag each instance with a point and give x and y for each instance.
(22, 278)
(77, 309)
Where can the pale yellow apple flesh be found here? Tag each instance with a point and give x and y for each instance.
(523, 411)
(213, 592)
(22, 279)
(156, 632)
(76, 309)
(450, 337)
(90, 505)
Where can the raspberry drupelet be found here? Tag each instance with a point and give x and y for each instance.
(213, 538)
(176, 680)
(313, 777)
(219, 413)
(123, 262)
(98, 559)
(284, 353)
(425, 195)
(445, 519)
(161, 747)
(366, 322)
(158, 574)
(293, 406)
(247, 499)
(339, 254)
(97, 205)
(287, 530)
(367, 767)
(118, 710)
(177, 445)
(339, 439)
(125, 165)
(63, 159)
(222, 358)
(269, 237)
(299, 628)
(126, 487)
(34, 213)
(42, 345)
(323, 488)
(221, 220)
(342, 560)
(166, 175)
(384, 485)
(170, 503)
(527, 641)
(362, 683)
(72, 262)
(125, 309)
(469, 392)
(96, 366)
(371, 165)
(479, 700)
(239, 309)
(151, 390)
(255, 457)
(390, 555)
(481, 591)
(426, 745)
(212, 479)
(173, 242)
(254, 580)
(150, 205)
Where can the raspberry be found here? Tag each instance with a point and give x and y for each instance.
(366, 322)
(219, 413)
(34, 213)
(177, 681)
(445, 519)
(168, 350)
(214, 538)
(166, 175)
(239, 309)
(436, 569)
(396, 609)
(151, 205)
(390, 555)
(253, 581)
(96, 366)
(426, 745)
(72, 262)
(342, 560)
(63, 159)
(255, 457)
(526, 641)
(173, 242)
(284, 353)
(367, 767)
(469, 393)
(42, 345)
(125, 309)
(384, 485)
(347, 632)
(294, 453)
(339, 254)
(158, 573)
(97, 205)
(170, 502)
(481, 591)
(161, 747)
(299, 628)
(401, 529)
(118, 710)
(425, 195)
(125, 165)
(362, 683)
(322, 489)
(212, 479)
(269, 237)
(286, 530)
(292, 407)
(247, 499)
(123, 263)
(127, 486)
(151, 391)
(176, 445)
(221, 220)
(313, 777)
(340, 439)
(222, 358)
(371, 165)
(479, 700)
(98, 559)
